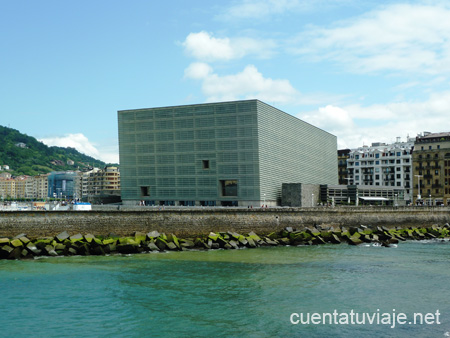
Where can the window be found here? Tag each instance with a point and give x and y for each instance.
(145, 191)
(356, 163)
(438, 146)
(377, 162)
(398, 175)
(399, 153)
(377, 155)
(430, 147)
(357, 157)
(436, 172)
(229, 187)
(205, 164)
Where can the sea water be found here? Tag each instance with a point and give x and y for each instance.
(231, 293)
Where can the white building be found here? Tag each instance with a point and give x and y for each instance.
(384, 165)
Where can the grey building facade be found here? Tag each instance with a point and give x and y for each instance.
(226, 153)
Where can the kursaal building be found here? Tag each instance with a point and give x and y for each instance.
(219, 154)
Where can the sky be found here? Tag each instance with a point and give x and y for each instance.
(363, 70)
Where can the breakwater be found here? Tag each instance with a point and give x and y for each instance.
(21, 247)
(189, 222)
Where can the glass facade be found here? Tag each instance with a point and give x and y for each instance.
(229, 153)
(64, 185)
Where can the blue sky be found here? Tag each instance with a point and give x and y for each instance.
(365, 71)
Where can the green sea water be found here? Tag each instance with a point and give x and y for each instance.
(228, 293)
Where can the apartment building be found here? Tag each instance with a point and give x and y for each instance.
(40, 186)
(343, 155)
(104, 181)
(431, 157)
(383, 165)
(7, 188)
(24, 187)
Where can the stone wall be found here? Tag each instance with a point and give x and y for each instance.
(195, 221)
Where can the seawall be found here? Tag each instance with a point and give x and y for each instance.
(196, 221)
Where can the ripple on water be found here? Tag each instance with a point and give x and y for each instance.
(245, 293)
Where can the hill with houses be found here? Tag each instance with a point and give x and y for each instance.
(21, 154)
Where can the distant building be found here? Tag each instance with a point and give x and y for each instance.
(5, 167)
(103, 184)
(383, 165)
(7, 188)
(86, 183)
(64, 184)
(70, 162)
(24, 187)
(431, 157)
(5, 175)
(226, 153)
(40, 186)
(343, 156)
(362, 195)
(21, 145)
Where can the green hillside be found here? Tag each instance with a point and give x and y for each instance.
(37, 158)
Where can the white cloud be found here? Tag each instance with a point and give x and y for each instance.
(249, 83)
(205, 47)
(330, 118)
(198, 71)
(400, 37)
(83, 145)
(257, 9)
(355, 125)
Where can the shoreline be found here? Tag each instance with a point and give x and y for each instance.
(64, 244)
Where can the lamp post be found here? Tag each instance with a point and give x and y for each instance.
(429, 203)
(312, 200)
(264, 200)
(418, 194)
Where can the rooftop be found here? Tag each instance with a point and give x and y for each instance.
(433, 137)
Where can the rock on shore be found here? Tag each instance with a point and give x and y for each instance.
(64, 244)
